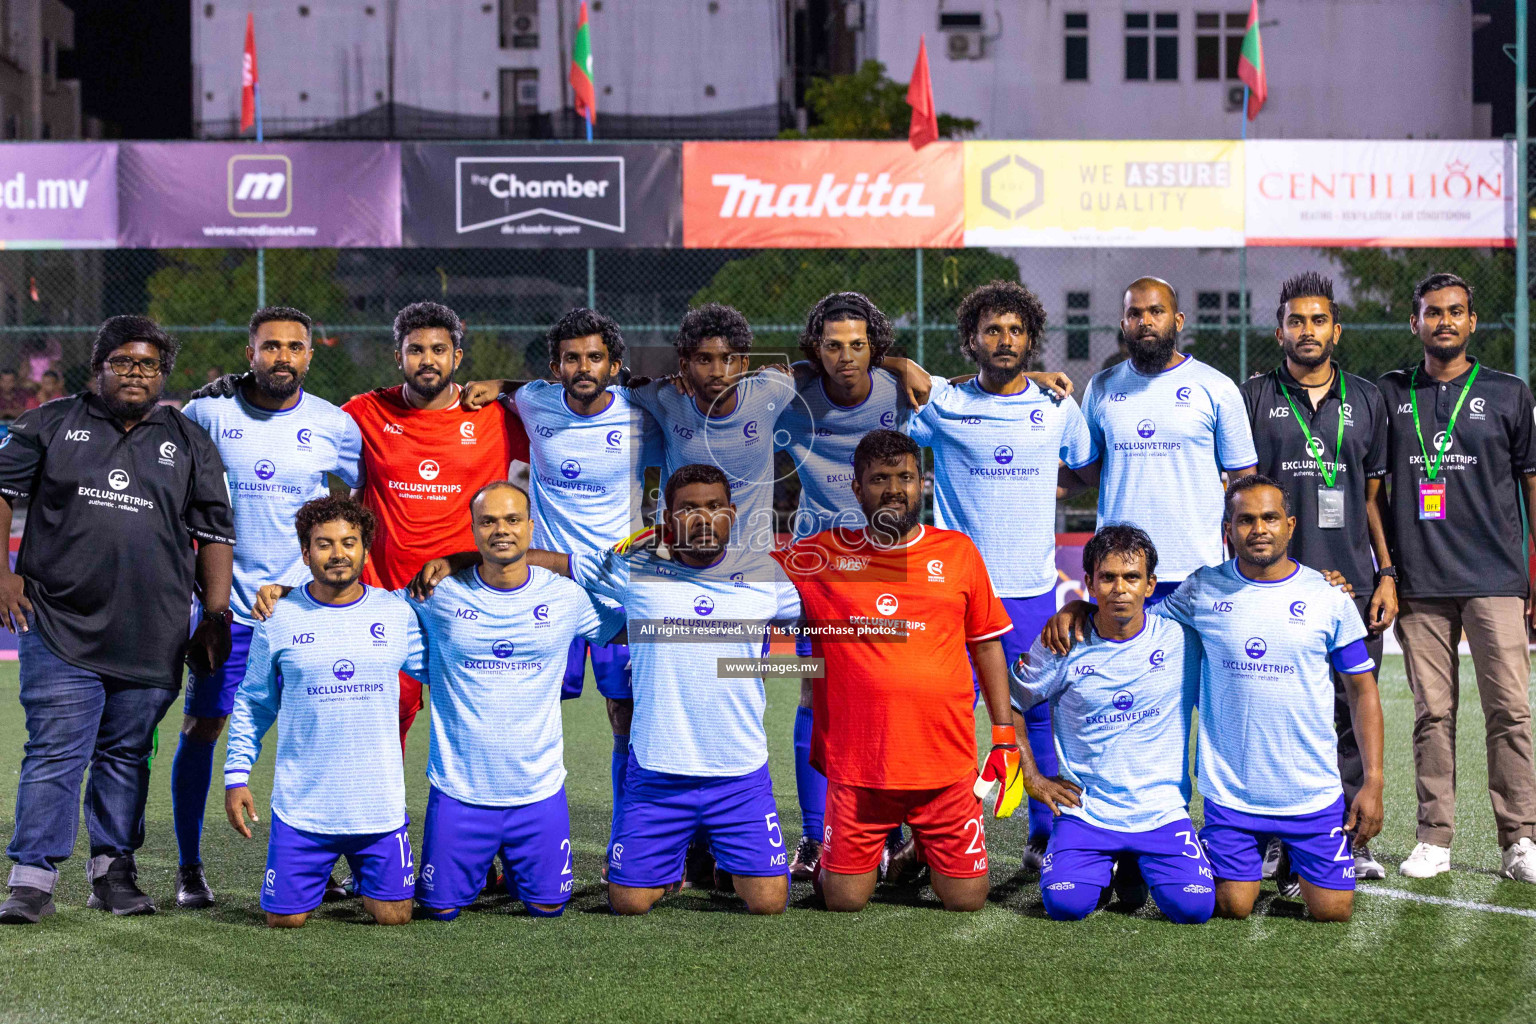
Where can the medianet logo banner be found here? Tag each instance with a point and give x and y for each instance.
(542, 195)
(794, 195)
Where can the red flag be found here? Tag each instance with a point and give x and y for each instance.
(925, 119)
(248, 76)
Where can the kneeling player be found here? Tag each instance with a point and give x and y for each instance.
(497, 768)
(325, 667)
(1120, 709)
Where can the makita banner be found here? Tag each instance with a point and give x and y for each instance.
(791, 195)
(544, 196)
(58, 195)
(246, 195)
(1424, 192)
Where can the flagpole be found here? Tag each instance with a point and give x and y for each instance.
(261, 253)
(1242, 273)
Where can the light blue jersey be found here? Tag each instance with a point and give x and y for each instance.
(1120, 710)
(1267, 743)
(496, 660)
(587, 472)
(690, 720)
(1164, 441)
(821, 435)
(275, 462)
(740, 445)
(994, 474)
(328, 675)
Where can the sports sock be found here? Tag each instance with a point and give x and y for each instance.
(191, 771)
(1037, 724)
(618, 769)
(810, 784)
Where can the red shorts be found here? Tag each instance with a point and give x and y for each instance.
(946, 823)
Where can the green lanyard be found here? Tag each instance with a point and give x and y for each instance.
(1338, 446)
(1432, 468)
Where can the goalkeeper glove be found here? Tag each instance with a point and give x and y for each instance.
(1003, 768)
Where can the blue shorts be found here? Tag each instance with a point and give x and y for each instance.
(1161, 591)
(1029, 615)
(1321, 851)
(214, 696)
(1083, 854)
(660, 814)
(461, 841)
(299, 864)
(610, 667)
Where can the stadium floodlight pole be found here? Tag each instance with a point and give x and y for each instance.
(1242, 275)
(1522, 193)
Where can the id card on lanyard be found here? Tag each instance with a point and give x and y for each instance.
(1330, 499)
(1432, 495)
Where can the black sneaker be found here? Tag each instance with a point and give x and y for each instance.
(192, 889)
(26, 905)
(1129, 885)
(117, 890)
(343, 890)
(699, 867)
(906, 869)
(807, 859)
(1034, 852)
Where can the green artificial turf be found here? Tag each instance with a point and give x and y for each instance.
(699, 957)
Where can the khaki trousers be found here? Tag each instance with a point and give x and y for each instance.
(1430, 629)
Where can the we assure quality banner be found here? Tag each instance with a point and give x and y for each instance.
(1104, 194)
(549, 195)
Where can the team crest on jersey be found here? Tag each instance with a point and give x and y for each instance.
(935, 571)
(467, 431)
(887, 419)
(738, 579)
(1037, 418)
(428, 469)
(1181, 397)
(167, 454)
(1299, 611)
(304, 436)
(1475, 409)
(541, 616)
(886, 604)
(377, 632)
(615, 440)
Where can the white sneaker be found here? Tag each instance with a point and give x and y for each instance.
(1428, 860)
(1520, 861)
(1366, 865)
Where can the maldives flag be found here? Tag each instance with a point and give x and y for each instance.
(925, 119)
(581, 69)
(1250, 64)
(248, 76)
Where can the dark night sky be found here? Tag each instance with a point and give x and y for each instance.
(134, 62)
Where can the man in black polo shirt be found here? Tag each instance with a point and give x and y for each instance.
(120, 489)
(1463, 458)
(1321, 434)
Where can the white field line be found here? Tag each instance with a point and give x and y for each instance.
(1442, 901)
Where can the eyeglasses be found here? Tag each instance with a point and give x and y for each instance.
(123, 366)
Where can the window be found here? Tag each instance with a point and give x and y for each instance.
(1235, 307)
(1076, 54)
(1166, 39)
(519, 24)
(1079, 342)
(1211, 64)
(1137, 43)
(1208, 309)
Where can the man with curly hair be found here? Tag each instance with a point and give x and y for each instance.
(997, 442)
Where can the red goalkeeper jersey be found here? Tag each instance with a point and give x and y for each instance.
(896, 708)
(421, 466)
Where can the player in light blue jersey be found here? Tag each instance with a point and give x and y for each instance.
(1121, 705)
(324, 667)
(698, 752)
(1165, 427)
(1266, 757)
(278, 443)
(997, 441)
(498, 634)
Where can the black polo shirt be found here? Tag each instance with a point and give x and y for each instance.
(1475, 551)
(1283, 456)
(107, 551)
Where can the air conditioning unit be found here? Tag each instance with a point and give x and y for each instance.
(1234, 98)
(964, 45)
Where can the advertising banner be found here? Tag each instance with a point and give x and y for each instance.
(1104, 194)
(1418, 192)
(542, 196)
(790, 195)
(58, 195)
(247, 195)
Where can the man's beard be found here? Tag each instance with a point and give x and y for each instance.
(889, 525)
(1276, 552)
(122, 409)
(1151, 356)
(354, 568)
(1004, 374)
(268, 385)
(571, 385)
(427, 392)
(1310, 361)
(1443, 351)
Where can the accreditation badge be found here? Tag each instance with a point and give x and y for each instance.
(1330, 508)
(1431, 500)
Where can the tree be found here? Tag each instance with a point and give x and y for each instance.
(865, 105)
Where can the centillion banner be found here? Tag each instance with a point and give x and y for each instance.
(1104, 193)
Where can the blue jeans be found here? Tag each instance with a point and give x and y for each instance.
(78, 719)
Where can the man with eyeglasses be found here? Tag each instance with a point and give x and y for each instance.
(129, 514)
